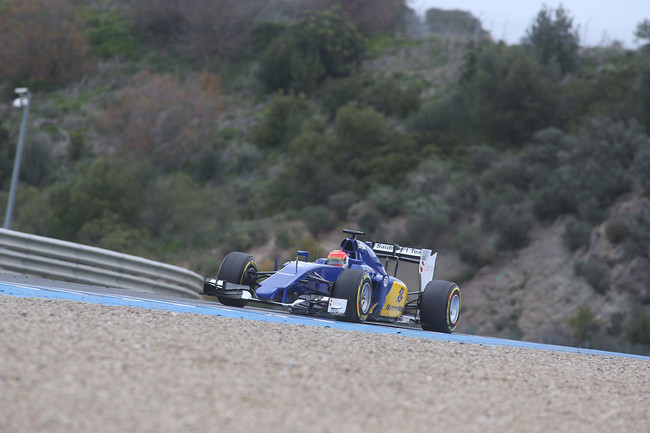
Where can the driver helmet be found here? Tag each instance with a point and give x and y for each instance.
(338, 258)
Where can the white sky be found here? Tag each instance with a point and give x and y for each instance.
(598, 22)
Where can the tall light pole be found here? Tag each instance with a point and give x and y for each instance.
(23, 100)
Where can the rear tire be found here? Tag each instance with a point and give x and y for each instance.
(440, 306)
(355, 286)
(235, 269)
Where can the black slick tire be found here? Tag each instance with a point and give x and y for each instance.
(440, 306)
(355, 286)
(235, 269)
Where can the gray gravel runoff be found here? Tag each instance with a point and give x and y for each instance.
(73, 367)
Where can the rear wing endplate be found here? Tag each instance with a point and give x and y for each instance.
(423, 257)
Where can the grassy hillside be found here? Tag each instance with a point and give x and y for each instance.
(181, 133)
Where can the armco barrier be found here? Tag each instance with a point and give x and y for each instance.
(62, 260)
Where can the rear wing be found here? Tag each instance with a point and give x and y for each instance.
(394, 254)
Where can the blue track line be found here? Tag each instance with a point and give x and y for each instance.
(182, 306)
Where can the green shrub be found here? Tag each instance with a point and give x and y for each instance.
(642, 168)
(36, 162)
(339, 92)
(427, 220)
(110, 34)
(467, 243)
(317, 219)
(584, 324)
(640, 329)
(513, 224)
(369, 221)
(554, 39)
(508, 95)
(307, 177)
(103, 186)
(616, 231)
(110, 232)
(388, 97)
(638, 234)
(282, 121)
(282, 238)
(506, 198)
(480, 158)
(322, 44)
(340, 203)
(576, 233)
(595, 272)
(264, 34)
(387, 200)
(452, 23)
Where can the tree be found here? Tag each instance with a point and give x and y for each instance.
(553, 38)
(643, 31)
(205, 28)
(322, 44)
(41, 40)
(510, 95)
(454, 23)
(370, 16)
(106, 194)
(159, 119)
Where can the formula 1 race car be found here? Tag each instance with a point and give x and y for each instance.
(351, 284)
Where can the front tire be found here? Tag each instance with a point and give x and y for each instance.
(355, 286)
(236, 268)
(440, 306)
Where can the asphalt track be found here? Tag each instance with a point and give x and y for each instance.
(28, 287)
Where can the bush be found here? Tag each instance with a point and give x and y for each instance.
(110, 34)
(506, 199)
(389, 98)
(467, 242)
(41, 40)
(158, 119)
(638, 234)
(317, 219)
(576, 233)
(428, 218)
(105, 189)
(264, 33)
(509, 95)
(642, 168)
(320, 45)
(616, 231)
(341, 202)
(554, 39)
(339, 92)
(513, 224)
(453, 23)
(595, 272)
(369, 221)
(640, 329)
(307, 177)
(584, 324)
(206, 29)
(282, 238)
(371, 16)
(386, 200)
(281, 122)
(480, 158)
(36, 165)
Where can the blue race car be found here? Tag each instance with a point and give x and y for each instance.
(352, 284)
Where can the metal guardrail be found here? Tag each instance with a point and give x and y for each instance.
(62, 260)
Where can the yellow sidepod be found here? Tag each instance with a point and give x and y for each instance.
(395, 300)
